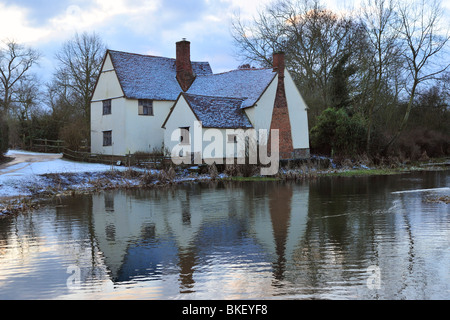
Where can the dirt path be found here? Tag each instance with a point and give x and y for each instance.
(26, 159)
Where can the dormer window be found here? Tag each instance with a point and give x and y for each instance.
(145, 107)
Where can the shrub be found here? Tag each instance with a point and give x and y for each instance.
(417, 143)
(74, 134)
(336, 133)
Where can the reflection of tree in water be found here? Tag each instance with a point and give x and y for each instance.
(340, 231)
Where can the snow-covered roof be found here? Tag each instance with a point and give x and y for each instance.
(249, 84)
(150, 77)
(216, 99)
(218, 112)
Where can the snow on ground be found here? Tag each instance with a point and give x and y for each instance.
(25, 175)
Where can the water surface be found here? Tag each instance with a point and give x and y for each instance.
(330, 238)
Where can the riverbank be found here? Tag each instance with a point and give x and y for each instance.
(32, 177)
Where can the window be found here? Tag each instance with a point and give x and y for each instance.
(106, 107)
(184, 137)
(107, 138)
(145, 107)
(232, 138)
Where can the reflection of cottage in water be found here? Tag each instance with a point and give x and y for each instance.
(217, 227)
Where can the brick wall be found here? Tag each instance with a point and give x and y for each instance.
(185, 73)
(280, 115)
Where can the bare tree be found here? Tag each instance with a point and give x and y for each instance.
(424, 39)
(15, 62)
(27, 97)
(80, 61)
(382, 30)
(316, 41)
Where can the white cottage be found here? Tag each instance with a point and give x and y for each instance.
(139, 101)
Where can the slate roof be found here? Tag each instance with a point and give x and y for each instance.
(218, 112)
(242, 83)
(216, 99)
(150, 77)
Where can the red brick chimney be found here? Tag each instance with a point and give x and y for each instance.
(280, 115)
(185, 73)
(278, 63)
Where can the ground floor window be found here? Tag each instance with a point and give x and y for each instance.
(184, 137)
(232, 138)
(107, 138)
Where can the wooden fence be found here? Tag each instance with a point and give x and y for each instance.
(147, 160)
(47, 146)
(140, 160)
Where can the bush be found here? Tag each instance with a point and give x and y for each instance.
(336, 133)
(3, 137)
(74, 134)
(421, 143)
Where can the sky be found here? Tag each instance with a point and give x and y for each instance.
(139, 26)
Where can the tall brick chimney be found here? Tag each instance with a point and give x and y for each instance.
(185, 73)
(278, 63)
(280, 115)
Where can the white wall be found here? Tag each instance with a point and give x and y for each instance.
(114, 121)
(182, 116)
(131, 132)
(108, 85)
(144, 133)
(260, 115)
(212, 149)
(297, 114)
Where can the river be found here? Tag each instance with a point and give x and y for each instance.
(374, 237)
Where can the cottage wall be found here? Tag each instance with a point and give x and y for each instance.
(114, 122)
(298, 116)
(260, 115)
(131, 132)
(182, 116)
(144, 133)
(108, 85)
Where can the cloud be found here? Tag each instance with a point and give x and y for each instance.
(97, 15)
(46, 21)
(14, 24)
(141, 26)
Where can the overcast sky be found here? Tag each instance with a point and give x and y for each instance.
(140, 26)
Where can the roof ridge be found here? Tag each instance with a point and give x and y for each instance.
(209, 96)
(150, 56)
(236, 70)
(139, 54)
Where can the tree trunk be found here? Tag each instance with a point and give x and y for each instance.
(405, 118)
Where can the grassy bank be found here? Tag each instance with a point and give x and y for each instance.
(364, 172)
(255, 178)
